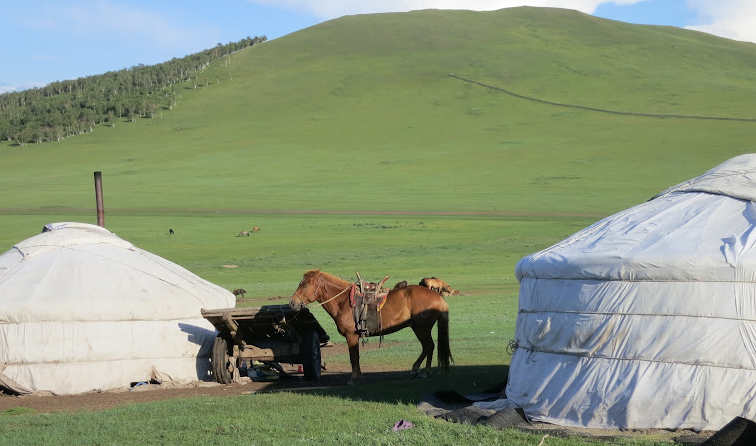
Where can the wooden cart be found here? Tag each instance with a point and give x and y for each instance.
(273, 333)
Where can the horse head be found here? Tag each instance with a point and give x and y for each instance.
(308, 290)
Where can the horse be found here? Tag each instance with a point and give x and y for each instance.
(256, 229)
(402, 284)
(413, 306)
(243, 234)
(436, 284)
(239, 292)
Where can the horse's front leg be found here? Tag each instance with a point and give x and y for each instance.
(353, 342)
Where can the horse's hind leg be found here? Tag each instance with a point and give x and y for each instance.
(426, 340)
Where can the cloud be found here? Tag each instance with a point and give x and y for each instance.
(5, 88)
(733, 19)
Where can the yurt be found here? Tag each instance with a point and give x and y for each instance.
(82, 310)
(646, 319)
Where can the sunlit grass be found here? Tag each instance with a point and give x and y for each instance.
(405, 171)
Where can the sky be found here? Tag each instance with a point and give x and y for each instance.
(44, 41)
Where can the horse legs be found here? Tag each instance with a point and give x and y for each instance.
(425, 337)
(353, 342)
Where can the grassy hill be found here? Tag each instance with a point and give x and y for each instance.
(361, 113)
(406, 171)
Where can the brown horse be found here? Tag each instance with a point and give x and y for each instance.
(436, 284)
(413, 306)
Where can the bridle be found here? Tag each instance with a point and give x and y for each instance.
(320, 304)
(315, 293)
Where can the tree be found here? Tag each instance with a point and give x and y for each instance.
(23, 136)
(72, 107)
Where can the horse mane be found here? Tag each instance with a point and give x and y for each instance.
(330, 277)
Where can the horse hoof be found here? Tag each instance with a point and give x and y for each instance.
(417, 374)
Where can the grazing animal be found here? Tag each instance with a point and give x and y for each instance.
(170, 231)
(413, 306)
(239, 292)
(243, 234)
(402, 284)
(256, 229)
(435, 284)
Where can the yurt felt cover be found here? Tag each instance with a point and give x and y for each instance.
(646, 319)
(82, 309)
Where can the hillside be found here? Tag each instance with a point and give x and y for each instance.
(360, 113)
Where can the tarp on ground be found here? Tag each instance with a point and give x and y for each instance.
(646, 319)
(82, 309)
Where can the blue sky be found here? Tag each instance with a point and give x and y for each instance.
(669, 12)
(47, 40)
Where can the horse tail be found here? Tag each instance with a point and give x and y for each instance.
(445, 358)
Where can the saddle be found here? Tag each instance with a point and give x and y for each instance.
(367, 299)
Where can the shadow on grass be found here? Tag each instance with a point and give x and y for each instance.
(398, 386)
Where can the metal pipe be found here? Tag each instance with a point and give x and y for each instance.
(98, 195)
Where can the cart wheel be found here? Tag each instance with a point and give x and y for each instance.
(311, 364)
(222, 361)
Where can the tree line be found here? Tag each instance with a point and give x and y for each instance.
(72, 107)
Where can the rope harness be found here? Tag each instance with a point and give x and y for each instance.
(320, 304)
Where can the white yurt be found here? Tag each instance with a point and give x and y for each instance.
(646, 319)
(82, 309)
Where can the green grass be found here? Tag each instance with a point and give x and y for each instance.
(472, 253)
(282, 418)
(353, 149)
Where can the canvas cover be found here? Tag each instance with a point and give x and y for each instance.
(82, 309)
(646, 319)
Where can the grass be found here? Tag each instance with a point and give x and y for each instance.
(352, 149)
(473, 253)
(358, 415)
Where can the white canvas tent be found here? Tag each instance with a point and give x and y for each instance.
(82, 309)
(646, 319)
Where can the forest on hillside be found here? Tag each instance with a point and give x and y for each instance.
(72, 107)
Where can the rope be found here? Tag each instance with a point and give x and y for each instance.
(512, 346)
(320, 304)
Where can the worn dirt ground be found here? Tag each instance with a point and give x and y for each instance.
(335, 375)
